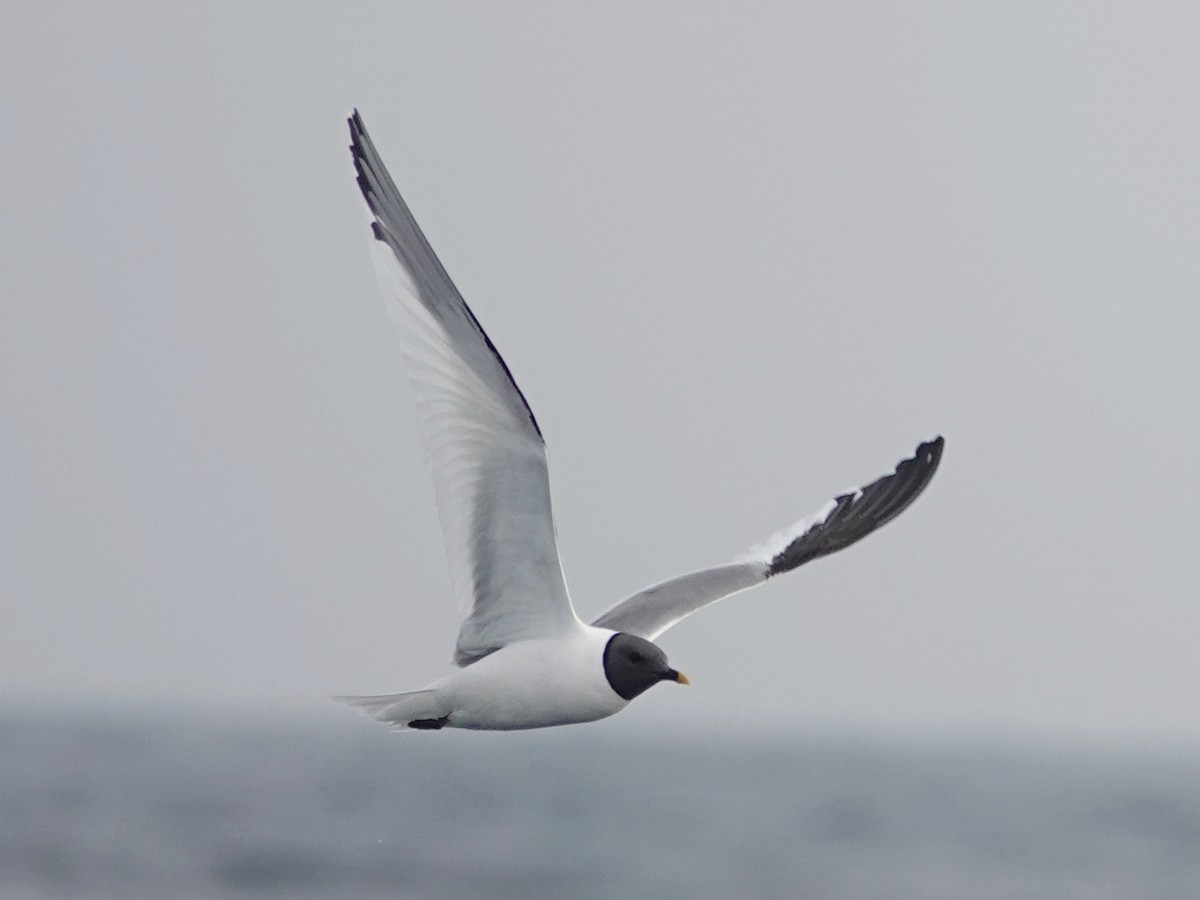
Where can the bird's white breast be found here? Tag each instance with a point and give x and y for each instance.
(534, 683)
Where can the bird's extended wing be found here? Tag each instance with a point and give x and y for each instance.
(847, 518)
(483, 443)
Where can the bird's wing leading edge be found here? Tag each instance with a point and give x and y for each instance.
(847, 518)
(483, 443)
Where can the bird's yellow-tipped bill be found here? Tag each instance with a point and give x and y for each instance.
(682, 679)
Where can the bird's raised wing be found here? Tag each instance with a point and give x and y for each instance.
(483, 443)
(847, 518)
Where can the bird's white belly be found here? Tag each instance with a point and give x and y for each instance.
(533, 684)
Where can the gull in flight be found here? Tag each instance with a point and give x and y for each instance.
(525, 659)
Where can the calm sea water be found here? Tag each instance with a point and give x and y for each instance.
(121, 807)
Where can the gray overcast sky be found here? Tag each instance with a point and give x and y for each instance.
(738, 257)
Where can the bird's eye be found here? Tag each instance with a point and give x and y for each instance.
(636, 657)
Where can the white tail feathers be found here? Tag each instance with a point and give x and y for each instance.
(415, 709)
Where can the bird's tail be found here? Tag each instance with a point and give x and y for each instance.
(415, 709)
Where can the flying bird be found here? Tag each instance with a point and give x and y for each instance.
(525, 658)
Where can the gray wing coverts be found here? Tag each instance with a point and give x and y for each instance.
(649, 613)
(853, 516)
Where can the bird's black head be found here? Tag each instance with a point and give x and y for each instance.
(633, 665)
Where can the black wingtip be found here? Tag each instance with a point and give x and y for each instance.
(927, 457)
(366, 181)
(857, 514)
(429, 724)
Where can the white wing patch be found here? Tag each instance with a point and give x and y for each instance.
(778, 542)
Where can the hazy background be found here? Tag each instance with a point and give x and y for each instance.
(739, 257)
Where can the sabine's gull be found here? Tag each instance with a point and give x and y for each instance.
(526, 660)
